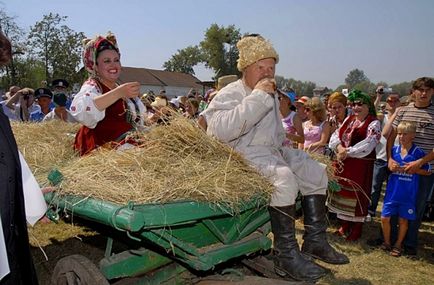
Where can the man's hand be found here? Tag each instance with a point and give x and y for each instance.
(379, 90)
(412, 166)
(268, 85)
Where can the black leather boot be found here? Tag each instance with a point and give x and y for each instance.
(289, 261)
(315, 241)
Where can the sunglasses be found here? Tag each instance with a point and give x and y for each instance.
(357, 103)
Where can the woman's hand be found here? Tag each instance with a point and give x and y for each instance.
(129, 89)
(341, 152)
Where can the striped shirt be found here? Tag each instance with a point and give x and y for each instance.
(424, 119)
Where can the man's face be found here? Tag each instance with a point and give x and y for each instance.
(44, 101)
(422, 96)
(392, 102)
(264, 68)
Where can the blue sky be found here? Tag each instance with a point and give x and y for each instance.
(320, 41)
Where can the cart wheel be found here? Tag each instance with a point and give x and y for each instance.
(77, 270)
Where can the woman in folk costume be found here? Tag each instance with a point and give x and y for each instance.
(354, 143)
(107, 110)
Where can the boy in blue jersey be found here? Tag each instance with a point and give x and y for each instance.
(402, 187)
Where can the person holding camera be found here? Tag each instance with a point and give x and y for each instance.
(8, 112)
(23, 104)
(381, 172)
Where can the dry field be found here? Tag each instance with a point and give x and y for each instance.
(368, 265)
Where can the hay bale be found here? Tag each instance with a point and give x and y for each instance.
(175, 162)
(45, 145)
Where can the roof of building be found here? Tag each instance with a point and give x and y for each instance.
(158, 77)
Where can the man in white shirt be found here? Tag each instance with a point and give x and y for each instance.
(245, 115)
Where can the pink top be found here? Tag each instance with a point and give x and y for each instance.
(288, 125)
(312, 134)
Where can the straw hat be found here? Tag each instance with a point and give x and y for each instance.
(225, 80)
(159, 102)
(252, 49)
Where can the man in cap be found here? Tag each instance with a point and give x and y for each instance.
(43, 97)
(22, 104)
(60, 112)
(245, 115)
(60, 86)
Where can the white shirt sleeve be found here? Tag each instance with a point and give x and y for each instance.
(234, 114)
(83, 107)
(366, 146)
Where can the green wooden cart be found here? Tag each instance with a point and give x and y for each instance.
(175, 239)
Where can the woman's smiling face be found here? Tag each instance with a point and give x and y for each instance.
(108, 65)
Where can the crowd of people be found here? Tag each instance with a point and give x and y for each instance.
(275, 130)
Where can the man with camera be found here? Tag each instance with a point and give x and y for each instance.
(8, 112)
(22, 104)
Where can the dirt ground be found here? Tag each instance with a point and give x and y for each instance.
(368, 265)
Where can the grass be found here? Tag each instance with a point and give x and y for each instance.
(367, 265)
(373, 266)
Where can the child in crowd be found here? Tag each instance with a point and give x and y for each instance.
(402, 187)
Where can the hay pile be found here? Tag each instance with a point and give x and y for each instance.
(175, 162)
(45, 145)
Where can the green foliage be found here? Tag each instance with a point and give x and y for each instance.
(184, 60)
(366, 86)
(403, 89)
(57, 46)
(219, 49)
(301, 88)
(354, 77)
(16, 35)
(30, 72)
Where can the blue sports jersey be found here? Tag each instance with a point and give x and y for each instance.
(402, 187)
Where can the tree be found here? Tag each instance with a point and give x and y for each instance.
(15, 34)
(366, 86)
(354, 77)
(184, 60)
(403, 88)
(301, 88)
(219, 49)
(58, 47)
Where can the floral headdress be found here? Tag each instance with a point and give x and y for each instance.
(92, 47)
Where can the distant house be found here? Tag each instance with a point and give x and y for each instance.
(320, 91)
(174, 83)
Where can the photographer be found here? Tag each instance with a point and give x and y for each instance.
(22, 104)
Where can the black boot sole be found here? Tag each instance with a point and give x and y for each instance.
(326, 261)
(286, 275)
